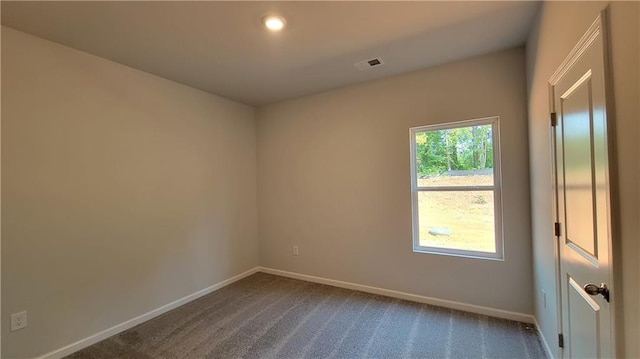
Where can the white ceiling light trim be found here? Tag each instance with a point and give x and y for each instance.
(274, 22)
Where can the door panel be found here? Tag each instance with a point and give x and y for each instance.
(582, 194)
(584, 319)
(576, 115)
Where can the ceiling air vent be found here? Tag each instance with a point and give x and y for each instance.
(367, 64)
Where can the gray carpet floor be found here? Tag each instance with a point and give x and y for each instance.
(267, 316)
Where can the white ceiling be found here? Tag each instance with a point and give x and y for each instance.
(222, 48)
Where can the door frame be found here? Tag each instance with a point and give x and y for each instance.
(598, 27)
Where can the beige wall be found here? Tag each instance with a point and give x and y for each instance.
(558, 28)
(121, 192)
(333, 178)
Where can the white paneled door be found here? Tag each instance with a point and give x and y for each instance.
(582, 171)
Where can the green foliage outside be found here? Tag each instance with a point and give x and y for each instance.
(464, 148)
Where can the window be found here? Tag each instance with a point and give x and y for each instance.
(455, 187)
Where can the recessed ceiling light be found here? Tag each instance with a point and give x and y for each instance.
(273, 22)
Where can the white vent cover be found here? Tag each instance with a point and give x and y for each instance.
(367, 64)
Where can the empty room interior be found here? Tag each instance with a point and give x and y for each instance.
(320, 179)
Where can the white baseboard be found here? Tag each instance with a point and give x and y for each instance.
(545, 343)
(83, 343)
(505, 314)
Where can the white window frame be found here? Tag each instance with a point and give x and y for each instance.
(496, 188)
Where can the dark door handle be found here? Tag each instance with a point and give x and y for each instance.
(593, 289)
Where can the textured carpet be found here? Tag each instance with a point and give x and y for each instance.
(267, 316)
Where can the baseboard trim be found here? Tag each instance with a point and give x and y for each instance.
(505, 314)
(545, 343)
(83, 343)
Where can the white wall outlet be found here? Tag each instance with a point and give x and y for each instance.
(544, 298)
(295, 250)
(18, 320)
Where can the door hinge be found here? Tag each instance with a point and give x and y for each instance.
(554, 119)
(561, 340)
(556, 229)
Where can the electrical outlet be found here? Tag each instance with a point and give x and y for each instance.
(295, 250)
(18, 320)
(544, 298)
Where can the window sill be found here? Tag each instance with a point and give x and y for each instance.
(460, 253)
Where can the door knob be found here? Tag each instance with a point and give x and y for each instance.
(593, 289)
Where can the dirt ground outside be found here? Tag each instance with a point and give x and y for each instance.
(458, 220)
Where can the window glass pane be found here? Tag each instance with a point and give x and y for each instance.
(455, 157)
(461, 220)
